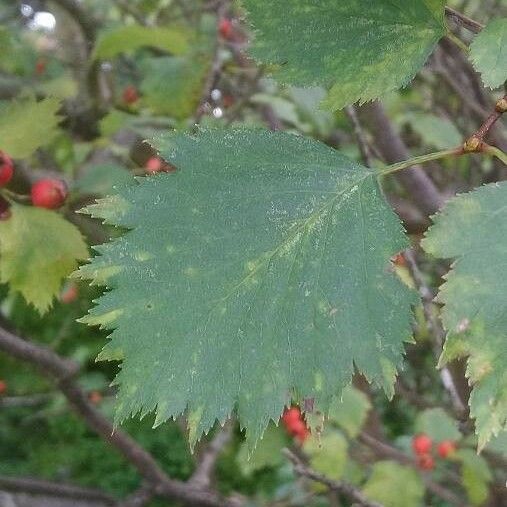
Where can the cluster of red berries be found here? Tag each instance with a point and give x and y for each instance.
(295, 424)
(422, 445)
(3, 387)
(46, 193)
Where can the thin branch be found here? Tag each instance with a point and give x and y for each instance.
(464, 21)
(483, 130)
(204, 471)
(341, 487)
(139, 498)
(360, 134)
(64, 371)
(40, 487)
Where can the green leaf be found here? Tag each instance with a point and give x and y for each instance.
(476, 475)
(173, 85)
(472, 229)
(38, 249)
(259, 270)
(435, 131)
(268, 452)
(27, 125)
(394, 485)
(363, 48)
(350, 412)
(437, 424)
(328, 454)
(488, 52)
(127, 39)
(102, 179)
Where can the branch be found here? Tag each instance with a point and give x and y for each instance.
(342, 487)
(64, 371)
(362, 142)
(475, 140)
(464, 21)
(39, 487)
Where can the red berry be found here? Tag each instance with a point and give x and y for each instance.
(95, 397)
(445, 448)
(425, 462)
(3, 387)
(130, 95)
(302, 435)
(40, 66)
(291, 415)
(399, 260)
(421, 444)
(226, 29)
(153, 165)
(49, 193)
(69, 294)
(6, 169)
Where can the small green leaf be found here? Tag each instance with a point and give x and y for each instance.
(38, 249)
(435, 131)
(488, 52)
(102, 179)
(437, 424)
(258, 270)
(126, 39)
(364, 48)
(351, 411)
(476, 475)
(173, 85)
(472, 229)
(328, 454)
(27, 125)
(394, 485)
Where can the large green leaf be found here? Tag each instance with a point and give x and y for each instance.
(435, 423)
(258, 270)
(473, 230)
(38, 248)
(363, 48)
(125, 39)
(27, 125)
(488, 52)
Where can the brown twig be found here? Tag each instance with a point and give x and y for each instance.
(464, 21)
(341, 487)
(64, 372)
(40, 487)
(360, 134)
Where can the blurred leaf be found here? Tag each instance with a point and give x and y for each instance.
(434, 130)
(488, 52)
(126, 39)
(351, 411)
(328, 454)
(472, 229)
(394, 485)
(173, 85)
(437, 424)
(364, 48)
(476, 475)
(268, 452)
(27, 125)
(101, 179)
(114, 121)
(62, 87)
(38, 249)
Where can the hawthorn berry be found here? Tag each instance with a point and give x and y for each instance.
(6, 169)
(3, 387)
(95, 397)
(291, 415)
(153, 165)
(40, 66)
(446, 448)
(226, 29)
(425, 462)
(49, 193)
(69, 294)
(421, 444)
(130, 95)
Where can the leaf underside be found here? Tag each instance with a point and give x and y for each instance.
(473, 230)
(361, 48)
(257, 272)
